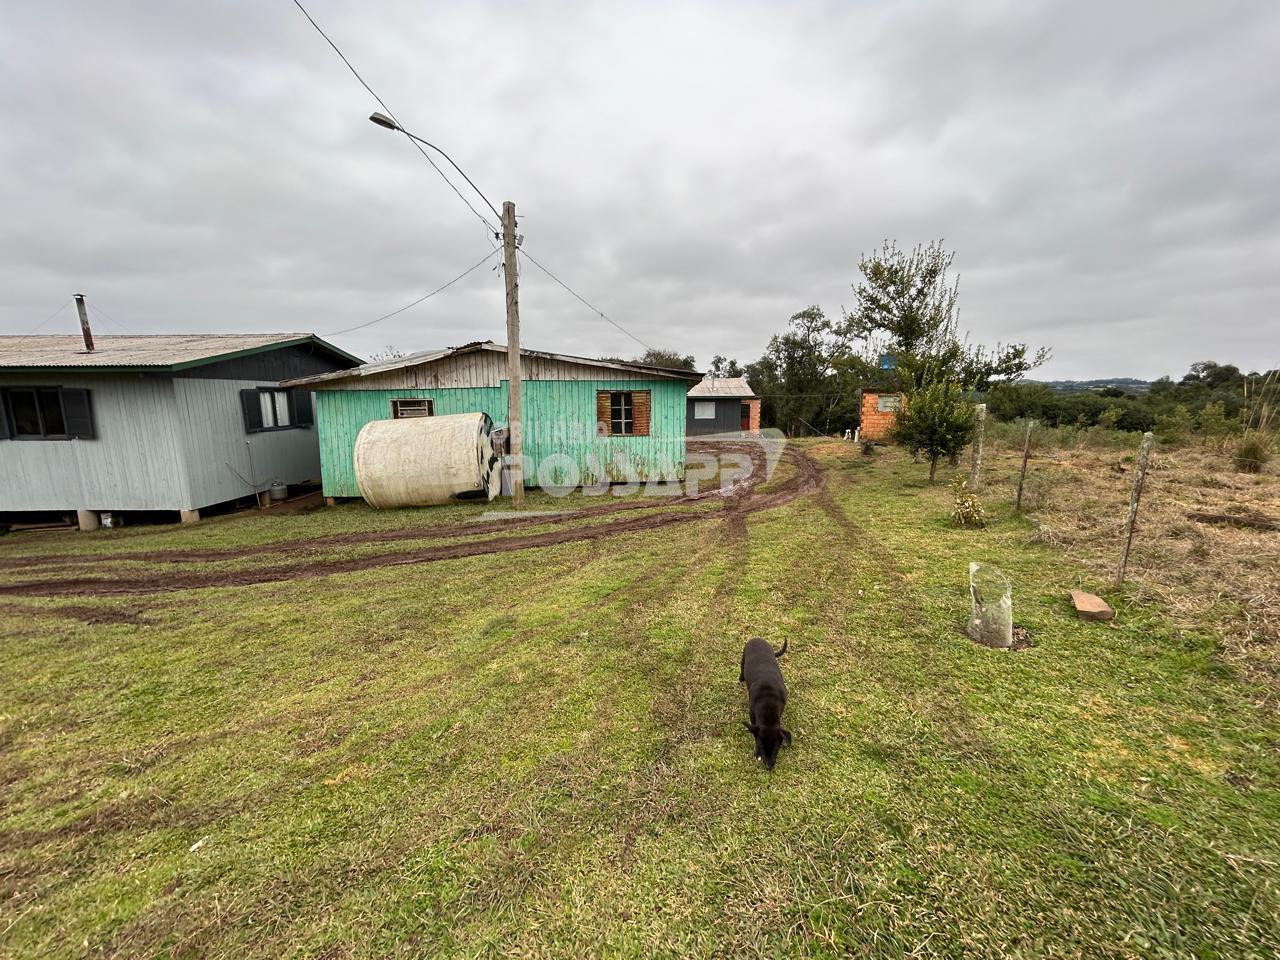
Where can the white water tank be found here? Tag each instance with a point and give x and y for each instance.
(420, 461)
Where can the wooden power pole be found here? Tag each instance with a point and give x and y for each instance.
(513, 351)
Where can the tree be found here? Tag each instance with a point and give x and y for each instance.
(938, 420)
(667, 358)
(720, 367)
(798, 377)
(906, 306)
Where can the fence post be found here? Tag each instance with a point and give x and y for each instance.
(1139, 477)
(1026, 455)
(979, 428)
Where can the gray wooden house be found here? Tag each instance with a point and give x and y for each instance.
(155, 423)
(722, 405)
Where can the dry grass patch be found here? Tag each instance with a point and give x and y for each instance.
(1219, 577)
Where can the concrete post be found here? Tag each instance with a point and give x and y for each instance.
(87, 519)
(979, 428)
(188, 516)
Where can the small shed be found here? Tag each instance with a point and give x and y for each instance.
(879, 412)
(154, 423)
(722, 405)
(583, 421)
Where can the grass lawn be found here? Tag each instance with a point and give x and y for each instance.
(541, 753)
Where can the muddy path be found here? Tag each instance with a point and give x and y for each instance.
(742, 499)
(425, 532)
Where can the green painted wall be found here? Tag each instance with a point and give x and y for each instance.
(559, 429)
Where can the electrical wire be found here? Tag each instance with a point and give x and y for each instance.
(382, 103)
(426, 296)
(64, 306)
(583, 300)
(106, 317)
(418, 142)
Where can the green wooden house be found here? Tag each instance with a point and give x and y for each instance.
(584, 421)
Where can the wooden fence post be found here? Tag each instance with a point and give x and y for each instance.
(1139, 477)
(1026, 455)
(979, 428)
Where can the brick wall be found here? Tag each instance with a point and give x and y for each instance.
(877, 423)
(754, 419)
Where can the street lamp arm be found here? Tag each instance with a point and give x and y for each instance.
(383, 120)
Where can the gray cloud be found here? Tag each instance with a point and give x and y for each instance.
(1105, 172)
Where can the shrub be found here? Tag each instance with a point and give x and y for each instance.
(1251, 454)
(1214, 425)
(1173, 427)
(938, 420)
(968, 511)
(1109, 417)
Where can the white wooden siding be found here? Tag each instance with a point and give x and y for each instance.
(162, 444)
(223, 462)
(133, 464)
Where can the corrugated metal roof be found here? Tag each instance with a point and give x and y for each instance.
(161, 351)
(722, 387)
(430, 356)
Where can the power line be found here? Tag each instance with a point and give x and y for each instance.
(64, 306)
(586, 303)
(426, 156)
(425, 296)
(355, 73)
(471, 183)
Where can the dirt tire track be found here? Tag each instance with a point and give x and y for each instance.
(741, 501)
(435, 532)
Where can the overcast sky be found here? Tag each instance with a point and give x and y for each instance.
(1107, 173)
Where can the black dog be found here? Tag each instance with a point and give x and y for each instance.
(766, 696)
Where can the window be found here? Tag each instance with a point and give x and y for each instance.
(275, 409)
(704, 410)
(890, 403)
(270, 408)
(622, 413)
(45, 413)
(417, 407)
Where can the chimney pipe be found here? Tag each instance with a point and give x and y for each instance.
(84, 323)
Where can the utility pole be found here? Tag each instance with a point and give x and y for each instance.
(84, 323)
(513, 351)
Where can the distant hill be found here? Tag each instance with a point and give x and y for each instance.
(1127, 384)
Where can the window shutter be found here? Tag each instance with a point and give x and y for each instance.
(4, 418)
(252, 407)
(640, 406)
(302, 412)
(77, 411)
(604, 425)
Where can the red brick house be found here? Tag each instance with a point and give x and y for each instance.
(879, 414)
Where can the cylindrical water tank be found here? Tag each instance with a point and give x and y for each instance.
(420, 461)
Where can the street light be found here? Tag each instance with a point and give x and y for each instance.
(508, 220)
